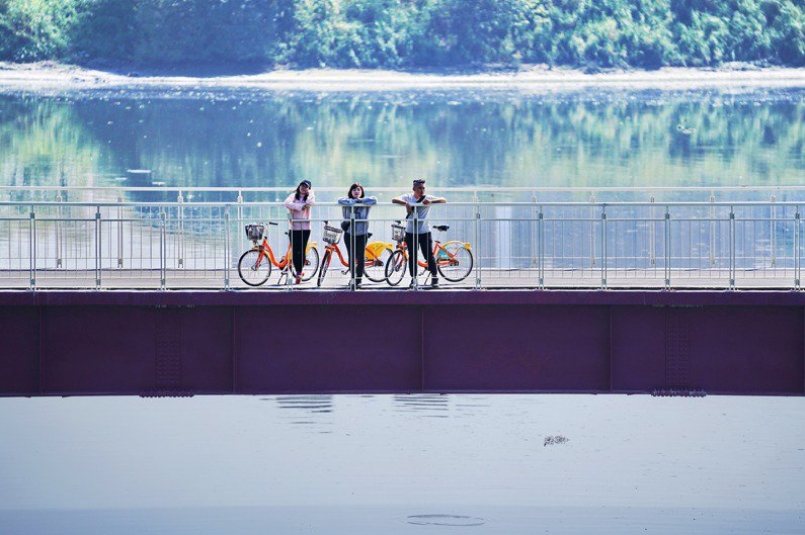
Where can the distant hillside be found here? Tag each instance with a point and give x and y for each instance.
(239, 35)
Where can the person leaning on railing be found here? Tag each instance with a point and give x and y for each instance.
(417, 204)
(356, 205)
(298, 204)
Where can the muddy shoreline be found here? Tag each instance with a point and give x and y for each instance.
(50, 76)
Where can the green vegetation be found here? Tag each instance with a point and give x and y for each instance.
(589, 34)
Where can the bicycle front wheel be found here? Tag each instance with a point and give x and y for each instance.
(311, 264)
(456, 265)
(396, 267)
(375, 268)
(325, 264)
(254, 268)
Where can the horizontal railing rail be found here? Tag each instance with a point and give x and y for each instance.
(169, 244)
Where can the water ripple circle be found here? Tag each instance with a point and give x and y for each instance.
(445, 520)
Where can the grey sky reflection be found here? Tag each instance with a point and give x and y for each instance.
(486, 450)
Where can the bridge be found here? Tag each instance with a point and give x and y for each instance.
(141, 297)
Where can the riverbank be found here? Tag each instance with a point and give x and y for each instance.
(48, 76)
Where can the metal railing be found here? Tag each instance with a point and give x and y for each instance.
(184, 244)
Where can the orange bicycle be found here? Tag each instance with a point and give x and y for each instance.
(377, 256)
(453, 259)
(254, 266)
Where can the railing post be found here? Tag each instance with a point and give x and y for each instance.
(238, 223)
(535, 242)
(227, 247)
(604, 258)
(32, 248)
(592, 229)
(712, 230)
(732, 249)
(667, 247)
(59, 199)
(120, 245)
(772, 238)
(797, 249)
(652, 246)
(98, 248)
(352, 239)
(477, 208)
(415, 253)
(180, 230)
(163, 249)
(541, 247)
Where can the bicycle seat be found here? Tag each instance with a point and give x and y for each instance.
(441, 228)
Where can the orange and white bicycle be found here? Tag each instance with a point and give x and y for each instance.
(454, 259)
(377, 256)
(254, 266)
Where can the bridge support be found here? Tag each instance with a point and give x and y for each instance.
(265, 342)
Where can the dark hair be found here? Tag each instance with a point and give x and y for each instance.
(352, 187)
(298, 195)
(419, 182)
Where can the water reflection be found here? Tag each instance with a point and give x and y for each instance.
(381, 464)
(455, 138)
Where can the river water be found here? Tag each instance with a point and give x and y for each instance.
(403, 464)
(185, 137)
(407, 464)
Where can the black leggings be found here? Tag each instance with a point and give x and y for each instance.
(299, 240)
(357, 259)
(426, 246)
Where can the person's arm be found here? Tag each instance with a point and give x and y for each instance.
(346, 201)
(311, 198)
(434, 200)
(404, 201)
(368, 201)
(292, 204)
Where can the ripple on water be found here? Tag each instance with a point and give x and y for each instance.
(445, 520)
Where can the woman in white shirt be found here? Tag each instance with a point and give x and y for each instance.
(298, 204)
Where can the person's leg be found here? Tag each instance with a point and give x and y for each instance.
(427, 250)
(360, 256)
(350, 242)
(305, 239)
(411, 243)
(299, 240)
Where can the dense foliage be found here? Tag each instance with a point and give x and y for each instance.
(404, 33)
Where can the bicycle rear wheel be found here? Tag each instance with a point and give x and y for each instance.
(396, 267)
(325, 264)
(254, 268)
(456, 265)
(375, 268)
(311, 264)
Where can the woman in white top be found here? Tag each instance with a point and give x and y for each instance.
(298, 204)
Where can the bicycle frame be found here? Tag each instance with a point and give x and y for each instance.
(254, 265)
(372, 254)
(442, 256)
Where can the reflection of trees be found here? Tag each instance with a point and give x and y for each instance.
(455, 138)
(42, 142)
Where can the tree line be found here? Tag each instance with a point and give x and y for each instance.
(404, 34)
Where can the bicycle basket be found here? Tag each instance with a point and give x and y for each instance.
(397, 233)
(331, 235)
(255, 232)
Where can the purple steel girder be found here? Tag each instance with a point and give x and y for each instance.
(262, 342)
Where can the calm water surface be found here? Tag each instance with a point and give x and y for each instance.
(546, 138)
(402, 464)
